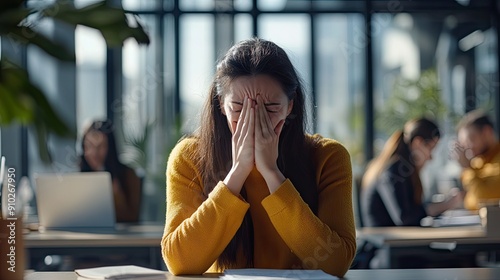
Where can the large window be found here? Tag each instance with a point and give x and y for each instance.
(197, 65)
(90, 50)
(367, 67)
(340, 90)
(438, 66)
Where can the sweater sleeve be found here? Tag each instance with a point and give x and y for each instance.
(326, 241)
(197, 229)
(481, 183)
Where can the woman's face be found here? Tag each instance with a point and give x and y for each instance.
(277, 105)
(422, 150)
(95, 147)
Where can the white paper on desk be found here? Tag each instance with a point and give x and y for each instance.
(121, 272)
(275, 274)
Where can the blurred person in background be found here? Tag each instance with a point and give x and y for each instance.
(100, 154)
(478, 153)
(391, 191)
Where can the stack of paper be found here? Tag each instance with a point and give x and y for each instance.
(275, 274)
(121, 272)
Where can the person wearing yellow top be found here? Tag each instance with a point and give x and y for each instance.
(251, 189)
(478, 152)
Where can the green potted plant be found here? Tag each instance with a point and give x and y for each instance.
(21, 101)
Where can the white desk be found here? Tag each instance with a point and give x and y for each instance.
(414, 241)
(138, 240)
(375, 274)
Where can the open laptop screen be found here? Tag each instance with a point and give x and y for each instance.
(75, 200)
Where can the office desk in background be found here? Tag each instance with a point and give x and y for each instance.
(371, 274)
(439, 243)
(141, 241)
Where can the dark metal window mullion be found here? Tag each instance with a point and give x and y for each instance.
(255, 15)
(23, 128)
(177, 55)
(160, 58)
(369, 114)
(314, 80)
(496, 82)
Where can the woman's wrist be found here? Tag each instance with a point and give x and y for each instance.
(234, 179)
(274, 178)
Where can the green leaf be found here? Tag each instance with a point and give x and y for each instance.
(7, 115)
(26, 35)
(94, 15)
(12, 17)
(115, 35)
(15, 106)
(47, 114)
(110, 21)
(10, 4)
(23, 102)
(28, 101)
(42, 141)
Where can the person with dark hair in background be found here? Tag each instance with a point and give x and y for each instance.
(100, 154)
(391, 186)
(251, 188)
(478, 153)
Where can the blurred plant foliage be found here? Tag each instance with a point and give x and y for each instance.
(23, 102)
(139, 149)
(412, 99)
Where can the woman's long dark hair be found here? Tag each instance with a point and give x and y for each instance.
(249, 58)
(111, 164)
(398, 147)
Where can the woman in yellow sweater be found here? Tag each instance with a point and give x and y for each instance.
(251, 188)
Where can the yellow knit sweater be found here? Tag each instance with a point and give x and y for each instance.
(482, 180)
(287, 234)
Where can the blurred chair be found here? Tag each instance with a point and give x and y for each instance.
(357, 201)
(366, 250)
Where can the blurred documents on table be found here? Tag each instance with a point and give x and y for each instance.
(457, 217)
(275, 274)
(122, 272)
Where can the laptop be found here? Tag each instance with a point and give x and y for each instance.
(75, 201)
